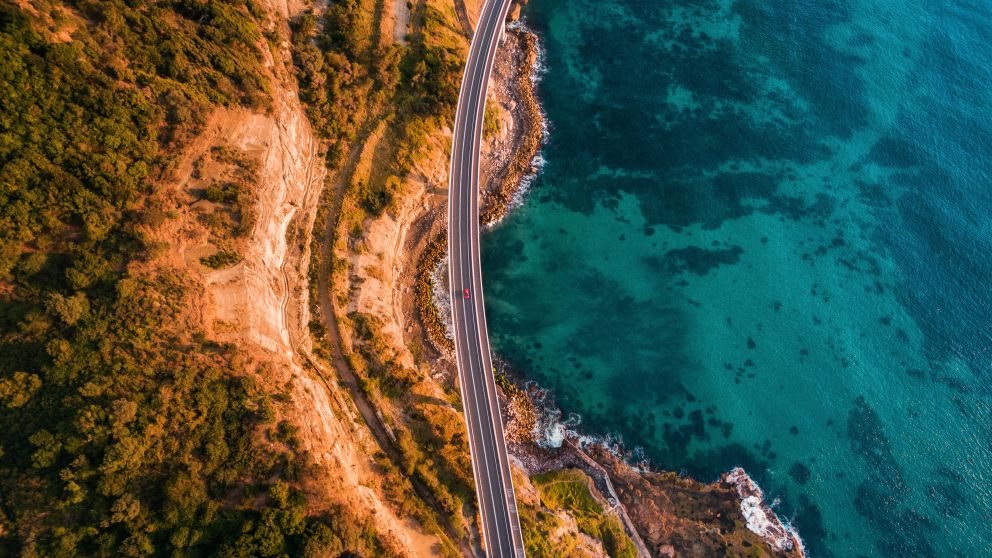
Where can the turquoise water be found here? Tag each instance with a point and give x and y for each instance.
(762, 238)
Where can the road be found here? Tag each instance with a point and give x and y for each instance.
(493, 485)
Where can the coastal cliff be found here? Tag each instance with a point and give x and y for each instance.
(219, 222)
(388, 325)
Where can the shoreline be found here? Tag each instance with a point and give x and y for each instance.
(384, 287)
(508, 168)
(542, 442)
(510, 160)
(516, 163)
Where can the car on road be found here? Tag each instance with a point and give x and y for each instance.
(466, 295)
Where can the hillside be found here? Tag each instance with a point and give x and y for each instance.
(151, 165)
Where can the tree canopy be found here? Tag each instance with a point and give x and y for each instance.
(124, 430)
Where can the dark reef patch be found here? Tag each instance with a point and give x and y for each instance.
(809, 520)
(799, 473)
(881, 500)
(700, 261)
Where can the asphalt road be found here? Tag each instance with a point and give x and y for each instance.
(493, 485)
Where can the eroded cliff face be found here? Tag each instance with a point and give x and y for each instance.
(255, 296)
(262, 302)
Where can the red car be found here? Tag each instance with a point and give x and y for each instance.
(465, 294)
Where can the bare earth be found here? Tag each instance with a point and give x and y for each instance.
(262, 302)
(401, 20)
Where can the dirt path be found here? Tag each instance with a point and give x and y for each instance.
(262, 303)
(370, 415)
(401, 21)
(326, 235)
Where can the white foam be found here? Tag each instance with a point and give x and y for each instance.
(760, 517)
(551, 430)
(441, 296)
(537, 71)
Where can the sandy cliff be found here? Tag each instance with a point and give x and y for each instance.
(261, 303)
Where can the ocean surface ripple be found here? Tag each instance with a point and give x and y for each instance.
(761, 238)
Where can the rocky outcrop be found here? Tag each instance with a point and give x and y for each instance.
(513, 155)
(679, 516)
(761, 519)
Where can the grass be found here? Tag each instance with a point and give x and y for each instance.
(490, 121)
(568, 490)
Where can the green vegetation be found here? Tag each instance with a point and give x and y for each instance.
(85, 124)
(124, 431)
(538, 526)
(431, 439)
(342, 75)
(490, 120)
(568, 490)
(349, 78)
(230, 191)
(223, 193)
(221, 259)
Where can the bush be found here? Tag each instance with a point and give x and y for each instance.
(221, 259)
(124, 430)
(569, 490)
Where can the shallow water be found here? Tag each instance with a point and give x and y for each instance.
(762, 238)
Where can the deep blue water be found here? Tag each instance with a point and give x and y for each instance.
(762, 238)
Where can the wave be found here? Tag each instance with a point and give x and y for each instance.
(441, 296)
(551, 430)
(760, 517)
(537, 71)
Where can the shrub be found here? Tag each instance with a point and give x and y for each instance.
(569, 490)
(221, 259)
(124, 430)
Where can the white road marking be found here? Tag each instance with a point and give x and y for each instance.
(488, 32)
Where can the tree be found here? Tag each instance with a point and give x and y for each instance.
(322, 541)
(18, 389)
(68, 309)
(47, 448)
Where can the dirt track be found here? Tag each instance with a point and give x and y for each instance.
(262, 303)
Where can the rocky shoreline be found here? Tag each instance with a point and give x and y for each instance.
(509, 162)
(665, 514)
(516, 159)
(760, 517)
(426, 300)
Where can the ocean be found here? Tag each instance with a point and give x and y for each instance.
(762, 238)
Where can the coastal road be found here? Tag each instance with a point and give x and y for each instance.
(491, 468)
